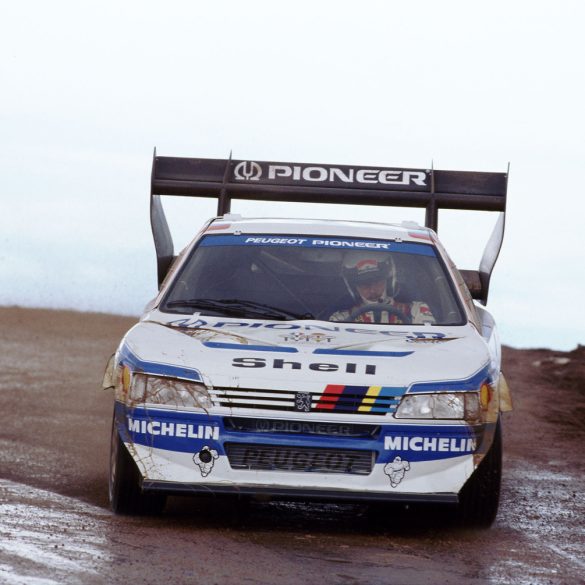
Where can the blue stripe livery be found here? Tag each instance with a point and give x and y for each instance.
(467, 385)
(364, 353)
(188, 432)
(317, 242)
(243, 346)
(130, 359)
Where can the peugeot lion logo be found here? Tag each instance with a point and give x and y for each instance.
(303, 401)
(247, 171)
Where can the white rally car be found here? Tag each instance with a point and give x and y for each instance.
(331, 360)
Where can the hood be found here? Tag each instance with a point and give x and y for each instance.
(250, 353)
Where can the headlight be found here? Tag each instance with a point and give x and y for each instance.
(444, 405)
(168, 391)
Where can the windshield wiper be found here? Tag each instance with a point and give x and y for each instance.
(270, 309)
(239, 308)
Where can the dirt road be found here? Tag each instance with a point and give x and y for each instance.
(55, 526)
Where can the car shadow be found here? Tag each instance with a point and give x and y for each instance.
(303, 517)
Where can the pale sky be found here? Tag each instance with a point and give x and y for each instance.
(88, 89)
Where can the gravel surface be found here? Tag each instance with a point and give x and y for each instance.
(55, 526)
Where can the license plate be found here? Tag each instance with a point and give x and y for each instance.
(306, 460)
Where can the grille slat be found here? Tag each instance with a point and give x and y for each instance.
(252, 394)
(265, 404)
(244, 456)
(284, 400)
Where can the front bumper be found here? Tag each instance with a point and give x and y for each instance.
(189, 452)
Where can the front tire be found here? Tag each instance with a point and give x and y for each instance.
(480, 496)
(126, 495)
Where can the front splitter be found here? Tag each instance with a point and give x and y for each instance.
(173, 488)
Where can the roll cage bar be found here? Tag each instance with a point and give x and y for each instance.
(431, 189)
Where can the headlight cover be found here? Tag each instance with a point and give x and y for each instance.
(168, 391)
(443, 406)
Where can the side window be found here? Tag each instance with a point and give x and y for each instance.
(465, 294)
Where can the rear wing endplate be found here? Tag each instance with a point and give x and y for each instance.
(229, 179)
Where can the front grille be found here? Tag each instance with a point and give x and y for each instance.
(306, 459)
(297, 427)
(372, 400)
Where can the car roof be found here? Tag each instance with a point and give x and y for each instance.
(232, 223)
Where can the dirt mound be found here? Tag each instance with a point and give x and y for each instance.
(565, 369)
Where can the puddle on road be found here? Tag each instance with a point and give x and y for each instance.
(48, 539)
(538, 539)
(545, 509)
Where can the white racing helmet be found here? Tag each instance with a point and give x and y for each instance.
(366, 267)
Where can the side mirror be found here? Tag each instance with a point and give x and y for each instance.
(473, 281)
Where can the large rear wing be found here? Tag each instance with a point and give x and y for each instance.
(229, 179)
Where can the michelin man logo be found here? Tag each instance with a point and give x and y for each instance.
(205, 460)
(396, 470)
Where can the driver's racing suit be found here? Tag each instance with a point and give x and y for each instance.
(417, 311)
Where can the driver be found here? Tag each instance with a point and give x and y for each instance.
(368, 278)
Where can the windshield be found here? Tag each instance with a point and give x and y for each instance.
(286, 277)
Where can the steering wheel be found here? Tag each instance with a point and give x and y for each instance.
(377, 309)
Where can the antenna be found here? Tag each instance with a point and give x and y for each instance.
(224, 202)
(432, 212)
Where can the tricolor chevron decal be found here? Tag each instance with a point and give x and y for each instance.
(361, 399)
